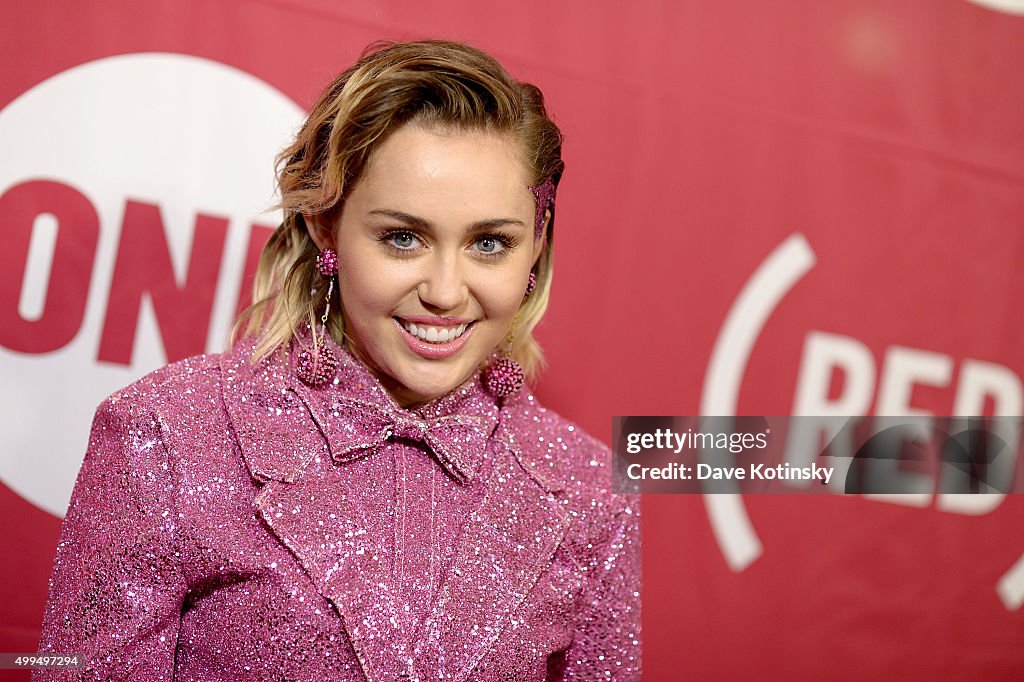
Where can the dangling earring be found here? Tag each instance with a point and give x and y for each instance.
(504, 376)
(531, 285)
(318, 367)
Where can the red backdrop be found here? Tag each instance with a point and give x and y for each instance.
(768, 208)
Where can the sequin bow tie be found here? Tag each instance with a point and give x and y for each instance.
(458, 441)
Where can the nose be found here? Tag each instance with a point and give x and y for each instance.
(443, 286)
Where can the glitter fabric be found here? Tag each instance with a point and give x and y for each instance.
(544, 197)
(230, 522)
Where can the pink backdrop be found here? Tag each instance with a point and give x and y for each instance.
(768, 208)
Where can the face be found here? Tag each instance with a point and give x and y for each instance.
(435, 245)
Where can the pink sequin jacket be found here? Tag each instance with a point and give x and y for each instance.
(232, 523)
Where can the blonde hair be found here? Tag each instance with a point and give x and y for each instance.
(430, 82)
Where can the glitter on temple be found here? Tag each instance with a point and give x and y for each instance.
(544, 194)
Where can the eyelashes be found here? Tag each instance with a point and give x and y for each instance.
(493, 245)
(494, 240)
(390, 238)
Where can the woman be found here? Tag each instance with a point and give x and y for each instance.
(361, 487)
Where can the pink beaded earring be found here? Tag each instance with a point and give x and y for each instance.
(317, 367)
(505, 376)
(531, 285)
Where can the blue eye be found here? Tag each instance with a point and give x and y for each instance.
(403, 240)
(495, 245)
(488, 245)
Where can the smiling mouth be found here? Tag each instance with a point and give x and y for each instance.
(432, 334)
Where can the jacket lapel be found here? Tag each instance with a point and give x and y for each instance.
(506, 544)
(272, 425)
(319, 519)
(312, 506)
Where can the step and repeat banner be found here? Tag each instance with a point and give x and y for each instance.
(786, 208)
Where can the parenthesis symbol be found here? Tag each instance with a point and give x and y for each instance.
(1011, 586)
(1008, 6)
(756, 302)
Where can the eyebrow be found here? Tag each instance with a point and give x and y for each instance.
(425, 224)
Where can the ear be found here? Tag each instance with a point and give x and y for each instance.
(320, 230)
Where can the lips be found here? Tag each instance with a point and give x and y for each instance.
(435, 341)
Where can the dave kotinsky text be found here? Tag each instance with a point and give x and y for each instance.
(838, 455)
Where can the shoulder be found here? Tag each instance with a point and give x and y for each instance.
(179, 396)
(169, 421)
(192, 382)
(129, 437)
(170, 388)
(561, 456)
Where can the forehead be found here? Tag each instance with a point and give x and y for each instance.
(432, 168)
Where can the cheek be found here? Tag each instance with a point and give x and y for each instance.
(368, 287)
(500, 297)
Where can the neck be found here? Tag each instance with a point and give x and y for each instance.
(403, 397)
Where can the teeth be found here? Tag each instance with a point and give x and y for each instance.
(435, 334)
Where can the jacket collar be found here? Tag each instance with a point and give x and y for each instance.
(270, 407)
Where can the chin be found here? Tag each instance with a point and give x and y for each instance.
(415, 379)
(427, 387)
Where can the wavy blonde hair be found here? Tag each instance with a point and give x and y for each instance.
(430, 82)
